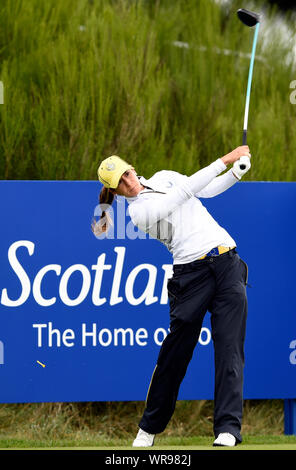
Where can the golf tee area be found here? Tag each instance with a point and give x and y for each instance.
(164, 84)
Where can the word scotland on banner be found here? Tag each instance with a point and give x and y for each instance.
(83, 318)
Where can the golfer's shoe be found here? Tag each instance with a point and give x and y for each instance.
(225, 439)
(143, 439)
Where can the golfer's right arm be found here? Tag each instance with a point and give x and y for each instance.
(145, 211)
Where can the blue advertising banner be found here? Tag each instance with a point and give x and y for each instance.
(82, 318)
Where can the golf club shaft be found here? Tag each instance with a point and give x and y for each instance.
(249, 84)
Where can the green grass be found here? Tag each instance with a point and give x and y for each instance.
(83, 80)
(161, 443)
(114, 424)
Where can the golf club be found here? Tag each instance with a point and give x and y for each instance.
(250, 19)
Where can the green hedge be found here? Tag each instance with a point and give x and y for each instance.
(86, 79)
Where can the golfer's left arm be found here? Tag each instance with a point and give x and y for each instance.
(221, 183)
(218, 185)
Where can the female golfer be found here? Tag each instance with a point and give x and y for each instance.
(208, 275)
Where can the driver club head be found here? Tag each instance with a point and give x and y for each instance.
(249, 18)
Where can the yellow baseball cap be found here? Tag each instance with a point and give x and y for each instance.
(111, 169)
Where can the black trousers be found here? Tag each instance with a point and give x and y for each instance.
(217, 285)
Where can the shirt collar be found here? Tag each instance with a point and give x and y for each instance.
(145, 183)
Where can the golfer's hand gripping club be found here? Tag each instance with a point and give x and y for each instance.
(241, 166)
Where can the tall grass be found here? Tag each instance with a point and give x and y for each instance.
(98, 423)
(86, 79)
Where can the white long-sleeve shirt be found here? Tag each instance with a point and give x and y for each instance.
(169, 209)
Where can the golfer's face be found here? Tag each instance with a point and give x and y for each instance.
(129, 184)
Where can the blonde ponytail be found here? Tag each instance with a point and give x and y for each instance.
(106, 198)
